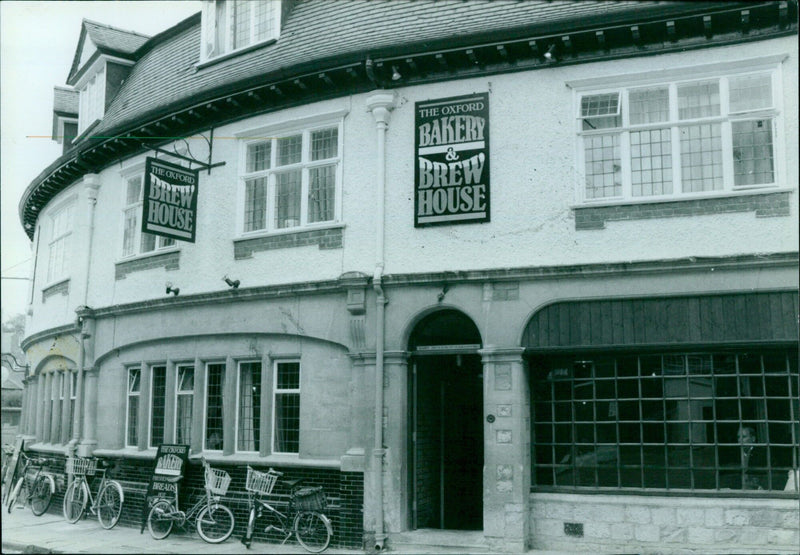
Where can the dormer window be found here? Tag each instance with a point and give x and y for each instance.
(231, 25)
(92, 100)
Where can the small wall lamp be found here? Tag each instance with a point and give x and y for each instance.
(396, 74)
(231, 283)
(171, 289)
(550, 55)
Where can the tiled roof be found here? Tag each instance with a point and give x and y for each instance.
(319, 31)
(108, 40)
(111, 38)
(65, 101)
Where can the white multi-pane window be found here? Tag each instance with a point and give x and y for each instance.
(92, 99)
(135, 241)
(184, 403)
(230, 25)
(286, 432)
(292, 180)
(132, 412)
(60, 237)
(248, 421)
(674, 139)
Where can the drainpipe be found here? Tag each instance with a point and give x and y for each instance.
(91, 182)
(380, 103)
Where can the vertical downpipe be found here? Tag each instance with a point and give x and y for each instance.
(91, 182)
(380, 103)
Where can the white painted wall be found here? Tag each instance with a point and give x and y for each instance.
(533, 184)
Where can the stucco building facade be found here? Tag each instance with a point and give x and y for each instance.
(527, 269)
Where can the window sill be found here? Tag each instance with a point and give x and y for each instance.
(233, 53)
(328, 236)
(274, 460)
(61, 286)
(169, 259)
(766, 202)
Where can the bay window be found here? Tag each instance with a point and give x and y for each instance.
(158, 397)
(667, 140)
(215, 387)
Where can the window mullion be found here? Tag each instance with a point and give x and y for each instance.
(727, 137)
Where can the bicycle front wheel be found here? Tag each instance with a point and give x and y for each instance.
(41, 496)
(160, 521)
(215, 523)
(75, 501)
(12, 498)
(313, 530)
(109, 504)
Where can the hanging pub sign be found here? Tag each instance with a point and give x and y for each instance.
(171, 461)
(169, 206)
(451, 176)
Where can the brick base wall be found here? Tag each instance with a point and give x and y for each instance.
(344, 490)
(654, 524)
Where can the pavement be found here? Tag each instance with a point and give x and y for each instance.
(50, 533)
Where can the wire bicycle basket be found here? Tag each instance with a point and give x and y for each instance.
(260, 482)
(217, 480)
(309, 499)
(79, 466)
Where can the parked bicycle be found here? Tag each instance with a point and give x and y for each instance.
(35, 485)
(304, 517)
(213, 520)
(107, 505)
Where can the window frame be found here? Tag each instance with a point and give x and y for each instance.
(92, 96)
(73, 399)
(211, 50)
(138, 395)
(256, 416)
(279, 391)
(161, 244)
(162, 368)
(183, 393)
(206, 375)
(672, 79)
(304, 127)
(62, 225)
(644, 404)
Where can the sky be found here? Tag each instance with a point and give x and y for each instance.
(37, 43)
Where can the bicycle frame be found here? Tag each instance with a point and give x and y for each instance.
(285, 519)
(94, 498)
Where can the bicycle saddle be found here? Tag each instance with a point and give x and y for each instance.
(101, 463)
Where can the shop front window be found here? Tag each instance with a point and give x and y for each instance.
(690, 421)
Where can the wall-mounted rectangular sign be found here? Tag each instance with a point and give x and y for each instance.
(169, 208)
(451, 176)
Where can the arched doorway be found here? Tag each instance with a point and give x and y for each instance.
(446, 423)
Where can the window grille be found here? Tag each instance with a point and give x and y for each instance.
(248, 433)
(134, 391)
(685, 421)
(287, 407)
(158, 394)
(669, 140)
(184, 402)
(134, 240)
(291, 181)
(215, 388)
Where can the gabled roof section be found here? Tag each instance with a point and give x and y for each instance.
(97, 37)
(65, 101)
